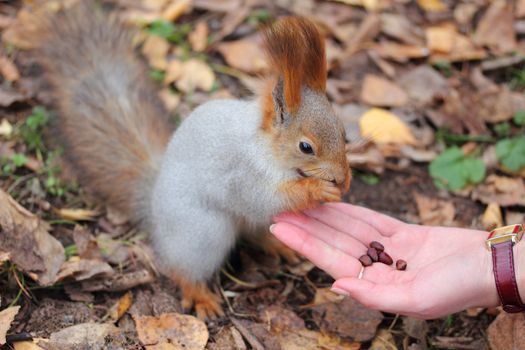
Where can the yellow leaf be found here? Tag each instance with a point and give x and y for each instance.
(156, 49)
(6, 317)
(492, 217)
(432, 5)
(176, 9)
(6, 129)
(77, 214)
(120, 307)
(195, 75)
(29, 345)
(381, 126)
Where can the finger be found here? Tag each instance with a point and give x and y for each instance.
(335, 262)
(337, 239)
(384, 224)
(356, 228)
(394, 298)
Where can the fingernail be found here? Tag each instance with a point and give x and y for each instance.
(340, 291)
(272, 226)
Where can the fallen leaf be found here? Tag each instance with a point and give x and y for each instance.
(382, 126)
(432, 5)
(441, 38)
(495, 29)
(6, 317)
(175, 9)
(4, 256)
(84, 269)
(435, 212)
(384, 340)
(120, 307)
(245, 54)
(173, 71)
(325, 295)
(218, 5)
(29, 345)
(155, 49)
(169, 99)
(423, 84)
(370, 5)
(8, 69)
(171, 331)
(506, 332)
(90, 335)
(25, 237)
(505, 191)
(9, 96)
(198, 38)
(227, 338)
(500, 106)
(399, 52)
(6, 129)
(415, 328)
(195, 75)
(400, 27)
(492, 217)
(368, 29)
(347, 318)
(77, 214)
(153, 5)
(380, 92)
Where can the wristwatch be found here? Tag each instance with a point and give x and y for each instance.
(500, 241)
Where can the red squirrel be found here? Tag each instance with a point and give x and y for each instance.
(228, 168)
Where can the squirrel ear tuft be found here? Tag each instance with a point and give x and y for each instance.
(296, 52)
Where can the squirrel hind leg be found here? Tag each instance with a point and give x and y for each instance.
(271, 246)
(199, 296)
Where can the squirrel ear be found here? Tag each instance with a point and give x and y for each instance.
(282, 114)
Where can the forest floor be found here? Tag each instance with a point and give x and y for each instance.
(431, 95)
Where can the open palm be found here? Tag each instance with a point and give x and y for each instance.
(448, 268)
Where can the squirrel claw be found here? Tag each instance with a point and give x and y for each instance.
(328, 192)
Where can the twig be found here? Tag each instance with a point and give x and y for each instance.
(250, 338)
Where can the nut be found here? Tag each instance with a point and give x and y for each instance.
(377, 246)
(365, 260)
(401, 265)
(372, 253)
(385, 258)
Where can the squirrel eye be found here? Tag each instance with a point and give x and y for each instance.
(306, 148)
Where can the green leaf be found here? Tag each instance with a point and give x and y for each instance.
(161, 28)
(369, 179)
(454, 170)
(519, 118)
(502, 129)
(511, 152)
(157, 75)
(19, 159)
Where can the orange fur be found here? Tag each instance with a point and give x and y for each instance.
(199, 296)
(296, 52)
(306, 193)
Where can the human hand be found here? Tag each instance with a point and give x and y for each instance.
(448, 269)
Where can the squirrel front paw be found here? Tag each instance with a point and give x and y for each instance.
(305, 193)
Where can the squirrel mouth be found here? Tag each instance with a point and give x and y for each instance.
(301, 173)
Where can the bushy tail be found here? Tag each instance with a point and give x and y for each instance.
(110, 120)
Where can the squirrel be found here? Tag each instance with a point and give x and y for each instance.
(227, 169)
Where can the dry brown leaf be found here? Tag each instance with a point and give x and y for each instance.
(82, 336)
(6, 317)
(227, 338)
(170, 100)
(77, 214)
(506, 332)
(505, 191)
(9, 96)
(119, 282)
(368, 29)
(423, 84)
(155, 49)
(25, 237)
(382, 126)
(347, 318)
(8, 69)
(371, 5)
(195, 75)
(83, 269)
(435, 212)
(173, 71)
(325, 295)
(441, 38)
(384, 340)
(121, 307)
(432, 5)
(198, 38)
(500, 106)
(245, 54)
(401, 28)
(4, 256)
(400, 53)
(171, 331)
(153, 5)
(175, 9)
(380, 92)
(492, 217)
(495, 29)
(218, 5)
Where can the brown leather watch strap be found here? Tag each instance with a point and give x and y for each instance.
(505, 277)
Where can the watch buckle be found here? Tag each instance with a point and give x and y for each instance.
(513, 233)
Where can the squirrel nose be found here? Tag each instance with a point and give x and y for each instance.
(342, 180)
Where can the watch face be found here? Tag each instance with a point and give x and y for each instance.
(513, 233)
